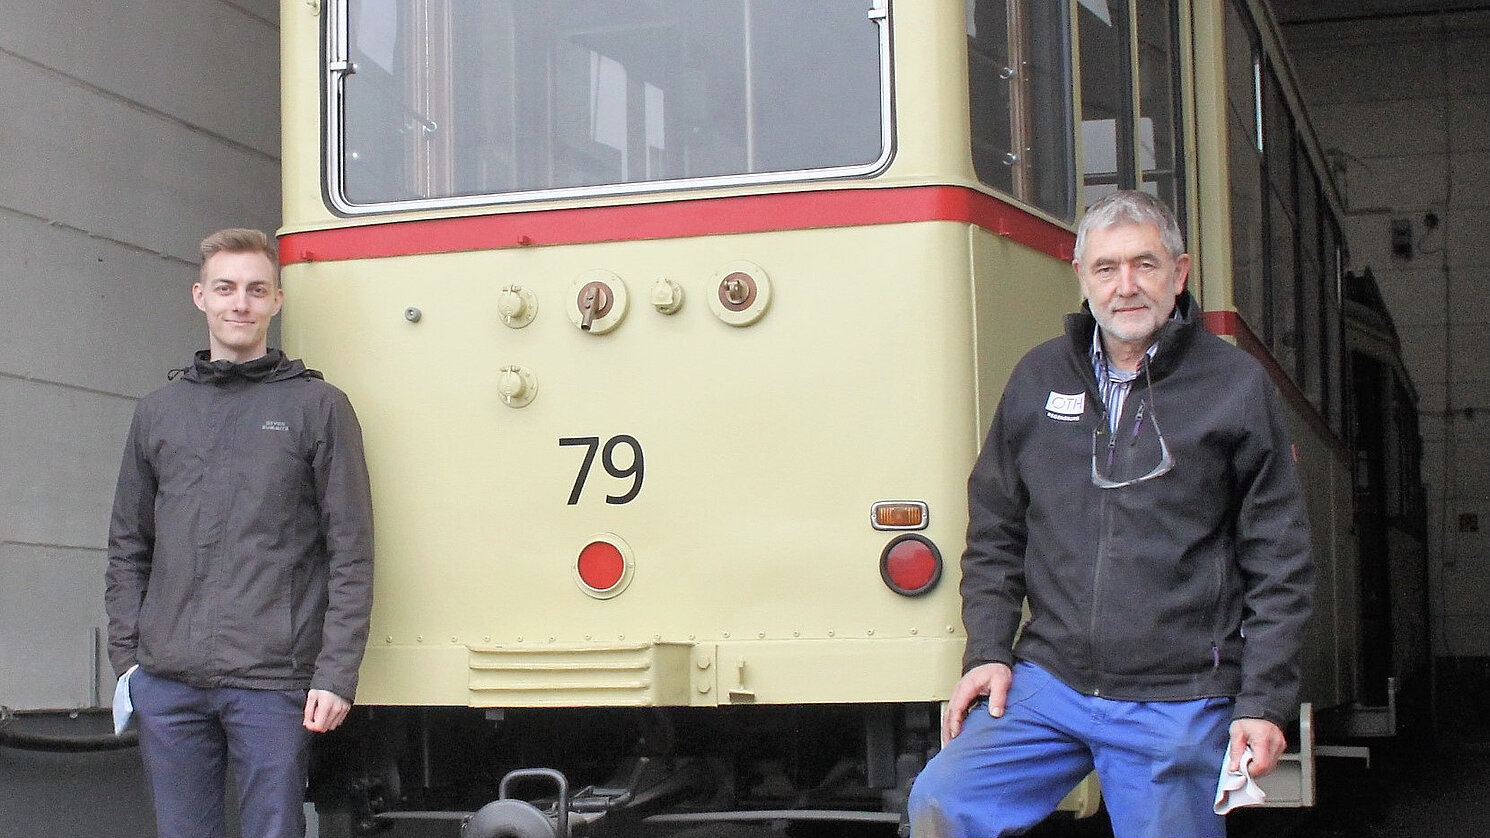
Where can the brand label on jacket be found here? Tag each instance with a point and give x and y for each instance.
(1066, 408)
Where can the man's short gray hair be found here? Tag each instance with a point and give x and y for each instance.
(1130, 206)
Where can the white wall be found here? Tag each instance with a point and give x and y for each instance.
(131, 129)
(1404, 105)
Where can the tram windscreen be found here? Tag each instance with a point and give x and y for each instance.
(449, 99)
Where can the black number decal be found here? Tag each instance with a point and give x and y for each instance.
(636, 470)
(584, 470)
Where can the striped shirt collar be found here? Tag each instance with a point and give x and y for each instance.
(1100, 365)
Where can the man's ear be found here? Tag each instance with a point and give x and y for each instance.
(1181, 273)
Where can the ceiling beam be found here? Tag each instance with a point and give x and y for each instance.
(1294, 14)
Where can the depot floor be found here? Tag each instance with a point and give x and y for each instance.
(1414, 788)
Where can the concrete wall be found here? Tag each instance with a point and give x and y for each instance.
(131, 129)
(1403, 105)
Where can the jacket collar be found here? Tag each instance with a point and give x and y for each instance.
(272, 366)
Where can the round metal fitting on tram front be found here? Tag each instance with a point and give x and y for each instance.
(741, 293)
(597, 301)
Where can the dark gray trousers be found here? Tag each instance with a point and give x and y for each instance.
(190, 735)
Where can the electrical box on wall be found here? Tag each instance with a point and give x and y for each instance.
(1402, 238)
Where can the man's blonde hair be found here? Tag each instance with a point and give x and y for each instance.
(240, 240)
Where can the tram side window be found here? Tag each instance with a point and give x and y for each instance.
(1333, 272)
(1286, 260)
(1311, 286)
(1107, 130)
(1128, 125)
(452, 98)
(1019, 77)
(1412, 508)
(1158, 102)
(1279, 145)
(1244, 156)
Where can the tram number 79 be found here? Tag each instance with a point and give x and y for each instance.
(635, 471)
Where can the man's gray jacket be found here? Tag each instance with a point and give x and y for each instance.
(240, 547)
(1195, 583)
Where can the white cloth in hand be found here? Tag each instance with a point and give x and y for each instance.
(124, 706)
(1235, 789)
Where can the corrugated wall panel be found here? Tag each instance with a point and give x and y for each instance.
(131, 131)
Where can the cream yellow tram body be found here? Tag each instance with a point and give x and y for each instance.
(674, 328)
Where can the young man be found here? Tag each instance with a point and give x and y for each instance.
(239, 580)
(1138, 488)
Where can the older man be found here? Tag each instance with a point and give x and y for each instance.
(1138, 489)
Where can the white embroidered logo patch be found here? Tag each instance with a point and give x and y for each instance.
(1066, 408)
(274, 425)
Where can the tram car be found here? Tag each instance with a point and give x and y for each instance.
(674, 329)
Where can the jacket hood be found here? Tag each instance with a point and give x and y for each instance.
(272, 366)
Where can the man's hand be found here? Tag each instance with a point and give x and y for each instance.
(324, 710)
(990, 679)
(1266, 740)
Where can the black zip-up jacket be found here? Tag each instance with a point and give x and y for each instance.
(240, 548)
(1192, 584)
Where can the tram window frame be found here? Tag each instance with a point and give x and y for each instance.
(1286, 340)
(1243, 70)
(1108, 124)
(1287, 258)
(1279, 135)
(1280, 219)
(1337, 381)
(1158, 37)
(1021, 112)
(1131, 101)
(1412, 515)
(502, 137)
(1394, 475)
(1311, 283)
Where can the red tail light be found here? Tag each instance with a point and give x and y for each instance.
(911, 565)
(604, 567)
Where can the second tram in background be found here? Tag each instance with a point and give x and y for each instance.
(674, 328)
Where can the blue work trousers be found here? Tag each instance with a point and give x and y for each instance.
(188, 736)
(1157, 762)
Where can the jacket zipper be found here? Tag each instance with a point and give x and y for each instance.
(1215, 611)
(1103, 540)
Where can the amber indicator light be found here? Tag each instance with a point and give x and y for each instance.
(899, 515)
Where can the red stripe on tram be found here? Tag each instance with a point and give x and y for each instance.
(1230, 324)
(678, 219)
